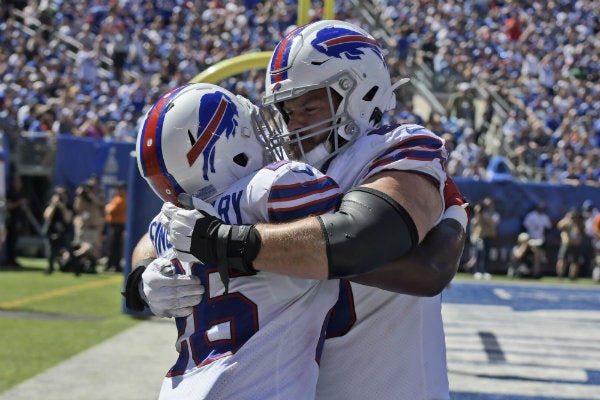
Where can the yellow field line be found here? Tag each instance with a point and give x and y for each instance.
(58, 292)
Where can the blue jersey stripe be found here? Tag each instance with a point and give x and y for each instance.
(418, 141)
(288, 192)
(316, 208)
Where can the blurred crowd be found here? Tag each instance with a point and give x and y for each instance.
(542, 58)
(568, 245)
(92, 68)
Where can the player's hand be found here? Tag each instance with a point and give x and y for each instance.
(179, 224)
(199, 236)
(456, 206)
(168, 294)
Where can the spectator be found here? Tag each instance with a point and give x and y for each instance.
(16, 206)
(125, 130)
(87, 63)
(571, 253)
(484, 228)
(119, 42)
(513, 26)
(464, 158)
(537, 222)
(428, 49)
(521, 257)
(64, 125)
(116, 216)
(88, 225)
(58, 217)
(596, 231)
(461, 105)
(589, 213)
(487, 116)
(513, 128)
(92, 127)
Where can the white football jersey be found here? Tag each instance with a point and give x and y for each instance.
(263, 340)
(382, 345)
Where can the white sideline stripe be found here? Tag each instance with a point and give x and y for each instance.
(129, 366)
(521, 388)
(542, 372)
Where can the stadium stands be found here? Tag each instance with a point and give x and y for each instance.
(532, 69)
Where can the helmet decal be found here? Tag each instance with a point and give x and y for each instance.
(152, 161)
(279, 60)
(192, 139)
(216, 117)
(336, 41)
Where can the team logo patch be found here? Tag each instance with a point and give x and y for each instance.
(335, 42)
(218, 117)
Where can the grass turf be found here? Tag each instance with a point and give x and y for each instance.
(45, 319)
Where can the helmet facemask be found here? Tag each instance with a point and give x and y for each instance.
(340, 128)
(344, 59)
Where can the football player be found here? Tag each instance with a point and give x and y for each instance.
(331, 83)
(259, 335)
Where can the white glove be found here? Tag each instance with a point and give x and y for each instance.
(180, 225)
(169, 294)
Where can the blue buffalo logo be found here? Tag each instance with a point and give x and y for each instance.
(334, 42)
(216, 117)
(276, 87)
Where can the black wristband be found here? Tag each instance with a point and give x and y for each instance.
(236, 247)
(243, 244)
(133, 299)
(226, 246)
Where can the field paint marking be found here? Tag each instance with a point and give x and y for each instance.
(502, 293)
(58, 292)
(492, 348)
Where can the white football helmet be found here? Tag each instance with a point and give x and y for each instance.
(198, 139)
(341, 57)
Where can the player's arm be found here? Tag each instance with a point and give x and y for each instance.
(426, 270)
(377, 222)
(143, 250)
(353, 240)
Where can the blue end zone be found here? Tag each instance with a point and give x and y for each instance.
(521, 297)
(479, 396)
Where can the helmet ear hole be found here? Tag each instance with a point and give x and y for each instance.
(376, 116)
(371, 94)
(241, 159)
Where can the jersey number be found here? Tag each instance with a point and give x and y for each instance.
(221, 325)
(343, 314)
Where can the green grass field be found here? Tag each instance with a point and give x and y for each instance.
(45, 319)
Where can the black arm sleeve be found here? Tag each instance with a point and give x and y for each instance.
(133, 299)
(369, 230)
